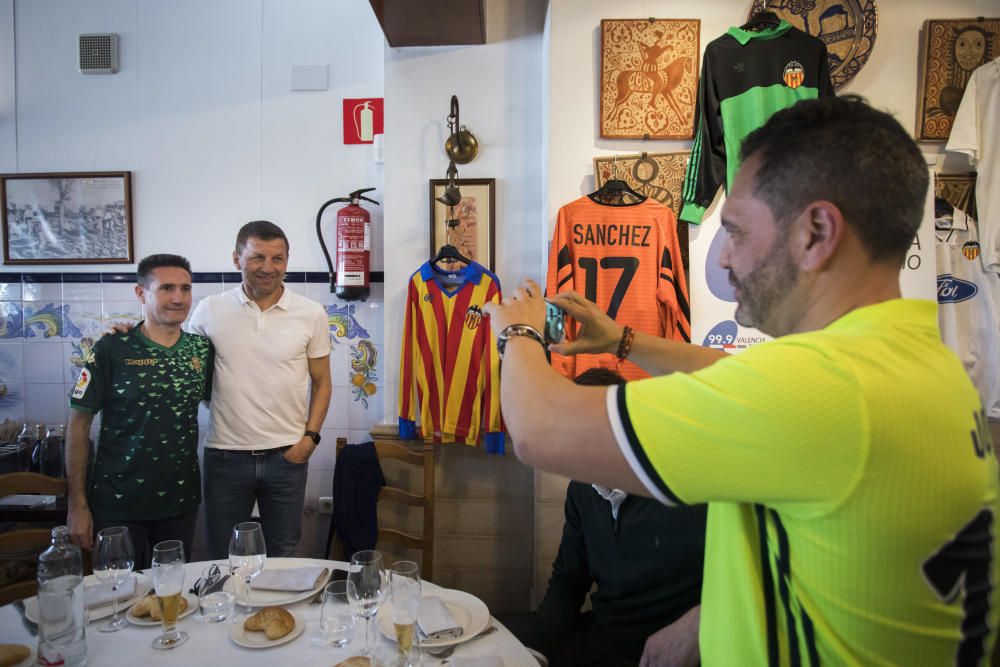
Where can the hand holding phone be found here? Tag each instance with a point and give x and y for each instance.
(555, 324)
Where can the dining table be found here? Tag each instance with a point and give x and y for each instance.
(211, 644)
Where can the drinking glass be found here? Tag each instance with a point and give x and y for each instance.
(168, 582)
(114, 558)
(247, 554)
(214, 602)
(369, 589)
(336, 618)
(404, 596)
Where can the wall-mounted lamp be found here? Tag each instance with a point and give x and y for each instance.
(462, 146)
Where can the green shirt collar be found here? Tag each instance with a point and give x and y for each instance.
(743, 36)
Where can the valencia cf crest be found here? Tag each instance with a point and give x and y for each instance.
(794, 74)
(473, 316)
(971, 250)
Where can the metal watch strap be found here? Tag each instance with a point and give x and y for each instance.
(518, 330)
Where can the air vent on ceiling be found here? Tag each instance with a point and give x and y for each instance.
(99, 53)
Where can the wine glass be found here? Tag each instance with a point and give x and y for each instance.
(168, 582)
(369, 588)
(404, 596)
(247, 554)
(114, 558)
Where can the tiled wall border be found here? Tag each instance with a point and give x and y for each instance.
(228, 277)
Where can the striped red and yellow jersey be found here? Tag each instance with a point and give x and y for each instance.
(627, 260)
(449, 368)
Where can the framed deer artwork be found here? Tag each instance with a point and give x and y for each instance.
(649, 78)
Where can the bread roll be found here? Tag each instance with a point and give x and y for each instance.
(356, 661)
(13, 654)
(275, 622)
(150, 606)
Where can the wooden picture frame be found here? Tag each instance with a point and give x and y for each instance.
(649, 78)
(67, 218)
(950, 50)
(474, 235)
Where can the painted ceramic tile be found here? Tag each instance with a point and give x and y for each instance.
(12, 401)
(363, 374)
(10, 320)
(370, 315)
(86, 316)
(344, 326)
(82, 291)
(10, 291)
(78, 354)
(11, 363)
(43, 364)
(42, 291)
(48, 322)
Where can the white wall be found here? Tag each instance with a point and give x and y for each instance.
(200, 112)
(499, 87)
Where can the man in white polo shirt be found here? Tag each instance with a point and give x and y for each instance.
(272, 350)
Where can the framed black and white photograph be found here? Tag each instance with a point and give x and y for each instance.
(67, 218)
(469, 224)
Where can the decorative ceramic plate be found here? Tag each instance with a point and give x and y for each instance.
(847, 27)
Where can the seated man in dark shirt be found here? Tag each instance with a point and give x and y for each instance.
(646, 561)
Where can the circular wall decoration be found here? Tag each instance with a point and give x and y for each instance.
(847, 27)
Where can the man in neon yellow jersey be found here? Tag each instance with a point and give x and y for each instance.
(847, 464)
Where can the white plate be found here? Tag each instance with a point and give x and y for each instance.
(260, 640)
(468, 611)
(143, 585)
(146, 620)
(261, 598)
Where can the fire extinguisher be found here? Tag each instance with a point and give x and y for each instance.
(350, 280)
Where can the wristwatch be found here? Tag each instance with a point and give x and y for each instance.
(314, 435)
(518, 330)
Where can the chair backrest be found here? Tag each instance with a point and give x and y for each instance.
(422, 457)
(31, 482)
(19, 548)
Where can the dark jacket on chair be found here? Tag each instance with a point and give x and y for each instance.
(357, 480)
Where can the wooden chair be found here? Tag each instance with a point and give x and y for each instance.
(423, 458)
(23, 545)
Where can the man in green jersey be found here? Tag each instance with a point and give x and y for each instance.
(848, 467)
(147, 384)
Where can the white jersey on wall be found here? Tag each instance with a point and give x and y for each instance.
(976, 133)
(968, 305)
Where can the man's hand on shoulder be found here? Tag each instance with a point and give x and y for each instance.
(118, 328)
(675, 645)
(81, 526)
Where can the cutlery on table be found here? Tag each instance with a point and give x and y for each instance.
(446, 651)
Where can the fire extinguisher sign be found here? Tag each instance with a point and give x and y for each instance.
(362, 120)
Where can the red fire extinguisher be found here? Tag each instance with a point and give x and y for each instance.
(350, 280)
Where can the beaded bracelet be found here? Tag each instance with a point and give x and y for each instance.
(625, 344)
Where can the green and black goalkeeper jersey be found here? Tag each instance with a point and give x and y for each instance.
(146, 466)
(746, 77)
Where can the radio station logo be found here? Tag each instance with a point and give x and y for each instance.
(726, 336)
(954, 290)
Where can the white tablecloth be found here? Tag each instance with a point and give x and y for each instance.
(209, 643)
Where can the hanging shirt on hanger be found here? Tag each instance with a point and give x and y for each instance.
(745, 77)
(449, 367)
(969, 304)
(976, 133)
(627, 260)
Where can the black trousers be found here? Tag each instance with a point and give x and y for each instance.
(587, 646)
(145, 534)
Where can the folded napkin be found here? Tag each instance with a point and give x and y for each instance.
(292, 579)
(96, 595)
(475, 662)
(435, 621)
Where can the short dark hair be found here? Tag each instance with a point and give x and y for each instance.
(145, 269)
(599, 377)
(842, 150)
(259, 229)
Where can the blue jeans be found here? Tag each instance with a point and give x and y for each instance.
(233, 480)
